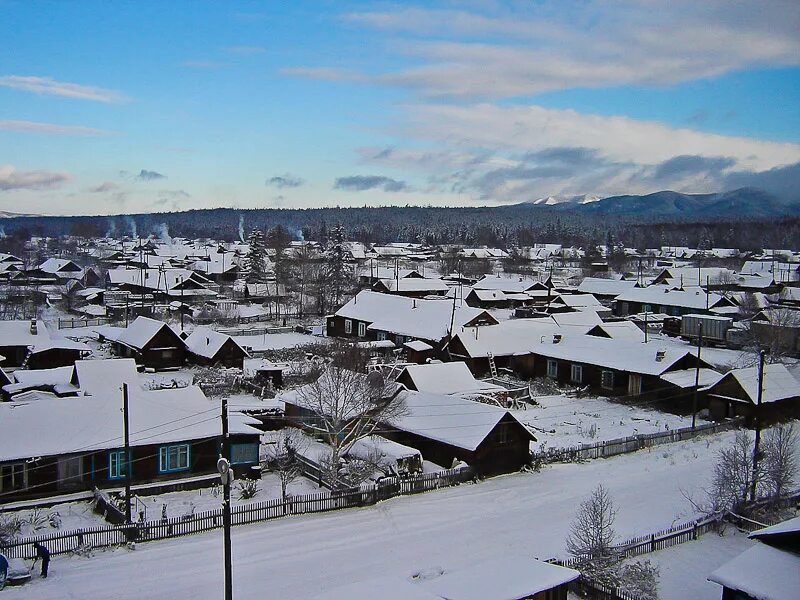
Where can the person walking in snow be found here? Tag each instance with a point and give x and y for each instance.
(44, 554)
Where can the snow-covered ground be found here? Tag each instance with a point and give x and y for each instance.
(196, 501)
(684, 569)
(298, 557)
(61, 517)
(560, 421)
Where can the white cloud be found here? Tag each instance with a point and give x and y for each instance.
(545, 46)
(12, 179)
(49, 87)
(52, 129)
(618, 139)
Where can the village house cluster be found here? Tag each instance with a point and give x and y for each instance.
(413, 360)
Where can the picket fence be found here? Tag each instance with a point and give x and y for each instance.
(632, 443)
(75, 323)
(80, 540)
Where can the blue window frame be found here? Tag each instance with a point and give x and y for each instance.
(244, 454)
(117, 465)
(174, 458)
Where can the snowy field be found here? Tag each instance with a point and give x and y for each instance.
(560, 421)
(683, 569)
(298, 557)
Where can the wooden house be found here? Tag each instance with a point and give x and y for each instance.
(411, 287)
(84, 446)
(29, 344)
(768, 570)
(735, 394)
(374, 316)
(153, 344)
(448, 428)
(208, 347)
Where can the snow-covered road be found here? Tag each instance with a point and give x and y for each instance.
(298, 557)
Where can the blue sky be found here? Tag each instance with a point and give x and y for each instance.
(109, 107)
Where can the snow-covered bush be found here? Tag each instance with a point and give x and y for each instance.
(248, 488)
(10, 528)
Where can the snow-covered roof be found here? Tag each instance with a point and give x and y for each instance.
(156, 279)
(385, 588)
(447, 378)
(621, 330)
(620, 355)
(141, 331)
(579, 300)
(779, 383)
(448, 419)
(206, 342)
(418, 346)
(506, 284)
(762, 572)
(417, 318)
(414, 284)
(30, 378)
(55, 265)
(508, 338)
(18, 333)
(505, 578)
(659, 295)
(587, 318)
(685, 378)
(375, 444)
(90, 423)
(789, 526)
(104, 377)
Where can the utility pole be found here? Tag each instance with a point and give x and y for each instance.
(756, 449)
(645, 327)
(127, 453)
(224, 467)
(697, 374)
(180, 309)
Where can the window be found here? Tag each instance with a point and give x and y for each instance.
(13, 477)
(503, 436)
(117, 467)
(607, 380)
(552, 368)
(647, 308)
(348, 326)
(173, 458)
(577, 373)
(70, 470)
(362, 329)
(634, 384)
(244, 454)
(381, 336)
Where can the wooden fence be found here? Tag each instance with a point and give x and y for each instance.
(632, 443)
(258, 331)
(75, 323)
(111, 535)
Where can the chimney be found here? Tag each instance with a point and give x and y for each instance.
(34, 329)
(556, 338)
(660, 354)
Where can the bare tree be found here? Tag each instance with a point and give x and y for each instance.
(780, 460)
(592, 530)
(639, 579)
(281, 457)
(733, 475)
(348, 406)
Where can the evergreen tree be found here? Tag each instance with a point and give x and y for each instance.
(256, 259)
(336, 270)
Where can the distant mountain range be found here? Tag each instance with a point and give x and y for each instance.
(744, 203)
(10, 215)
